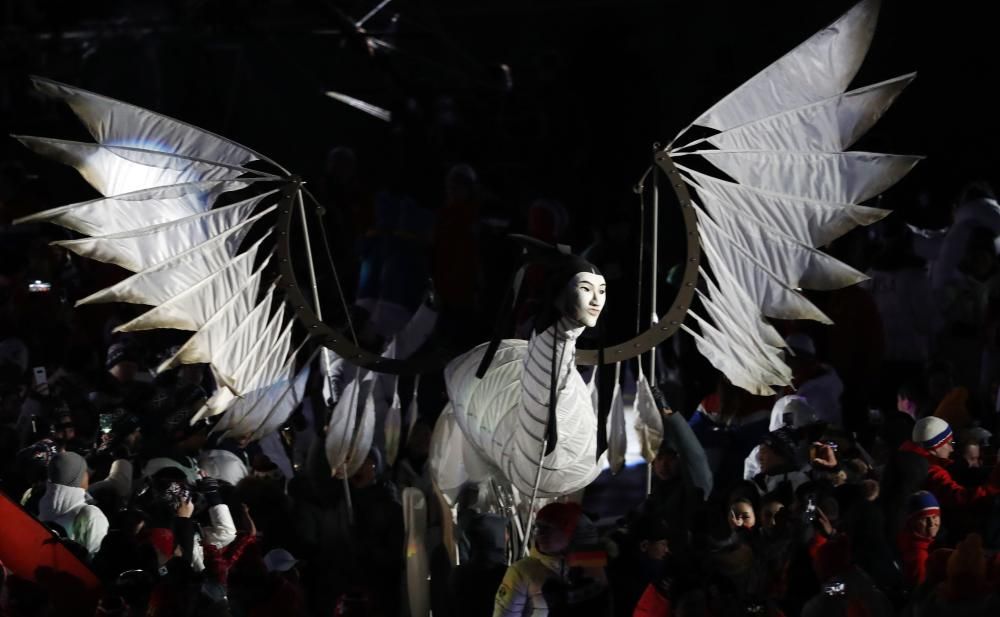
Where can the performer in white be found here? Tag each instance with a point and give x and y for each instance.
(530, 395)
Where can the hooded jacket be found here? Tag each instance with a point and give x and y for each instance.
(67, 507)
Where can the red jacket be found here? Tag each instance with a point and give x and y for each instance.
(951, 494)
(914, 550)
(652, 604)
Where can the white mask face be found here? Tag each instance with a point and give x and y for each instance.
(586, 296)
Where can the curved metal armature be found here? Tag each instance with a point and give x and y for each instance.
(343, 344)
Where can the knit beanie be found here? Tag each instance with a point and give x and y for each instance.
(68, 469)
(922, 503)
(931, 433)
(563, 516)
(782, 442)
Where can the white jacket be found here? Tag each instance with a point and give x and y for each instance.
(220, 534)
(67, 507)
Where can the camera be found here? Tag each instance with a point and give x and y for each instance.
(39, 287)
(835, 589)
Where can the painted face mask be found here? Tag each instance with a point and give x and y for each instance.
(585, 297)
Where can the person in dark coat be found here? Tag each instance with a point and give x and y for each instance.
(474, 583)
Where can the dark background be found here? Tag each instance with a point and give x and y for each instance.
(594, 83)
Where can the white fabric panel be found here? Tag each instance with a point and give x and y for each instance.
(269, 387)
(413, 409)
(113, 122)
(648, 421)
(750, 362)
(617, 441)
(191, 309)
(393, 429)
(774, 298)
(729, 366)
(844, 177)
(163, 281)
(290, 399)
(274, 373)
(213, 336)
(743, 338)
(830, 125)
(138, 250)
(491, 416)
(114, 170)
(415, 333)
(796, 264)
(250, 411)
(343, 420)
(418, 586)
(260, 369)
(274, 449)
(741, 309)
(260, 362)
(221, 400)
(362, 443)
(145, 208)
(229, 358)
(820, 67)
(816, 223)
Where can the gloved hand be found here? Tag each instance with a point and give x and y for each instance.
(209, 488)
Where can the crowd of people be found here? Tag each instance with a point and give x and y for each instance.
(870, 488)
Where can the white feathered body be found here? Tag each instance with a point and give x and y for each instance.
(501, 418)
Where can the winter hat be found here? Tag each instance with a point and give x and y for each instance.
(120, 352)
(931, 433)
(563, 516)
(279, 560)
(782, 442)
(68, 469)
(792, 410)
(922, 503)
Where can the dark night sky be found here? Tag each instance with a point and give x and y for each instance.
(595, 83)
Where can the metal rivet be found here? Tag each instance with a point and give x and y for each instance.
(665, 328)
(673, 323)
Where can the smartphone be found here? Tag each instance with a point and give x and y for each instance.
(39, 287)
(810, 511)
(41, 380)
(106, 421)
